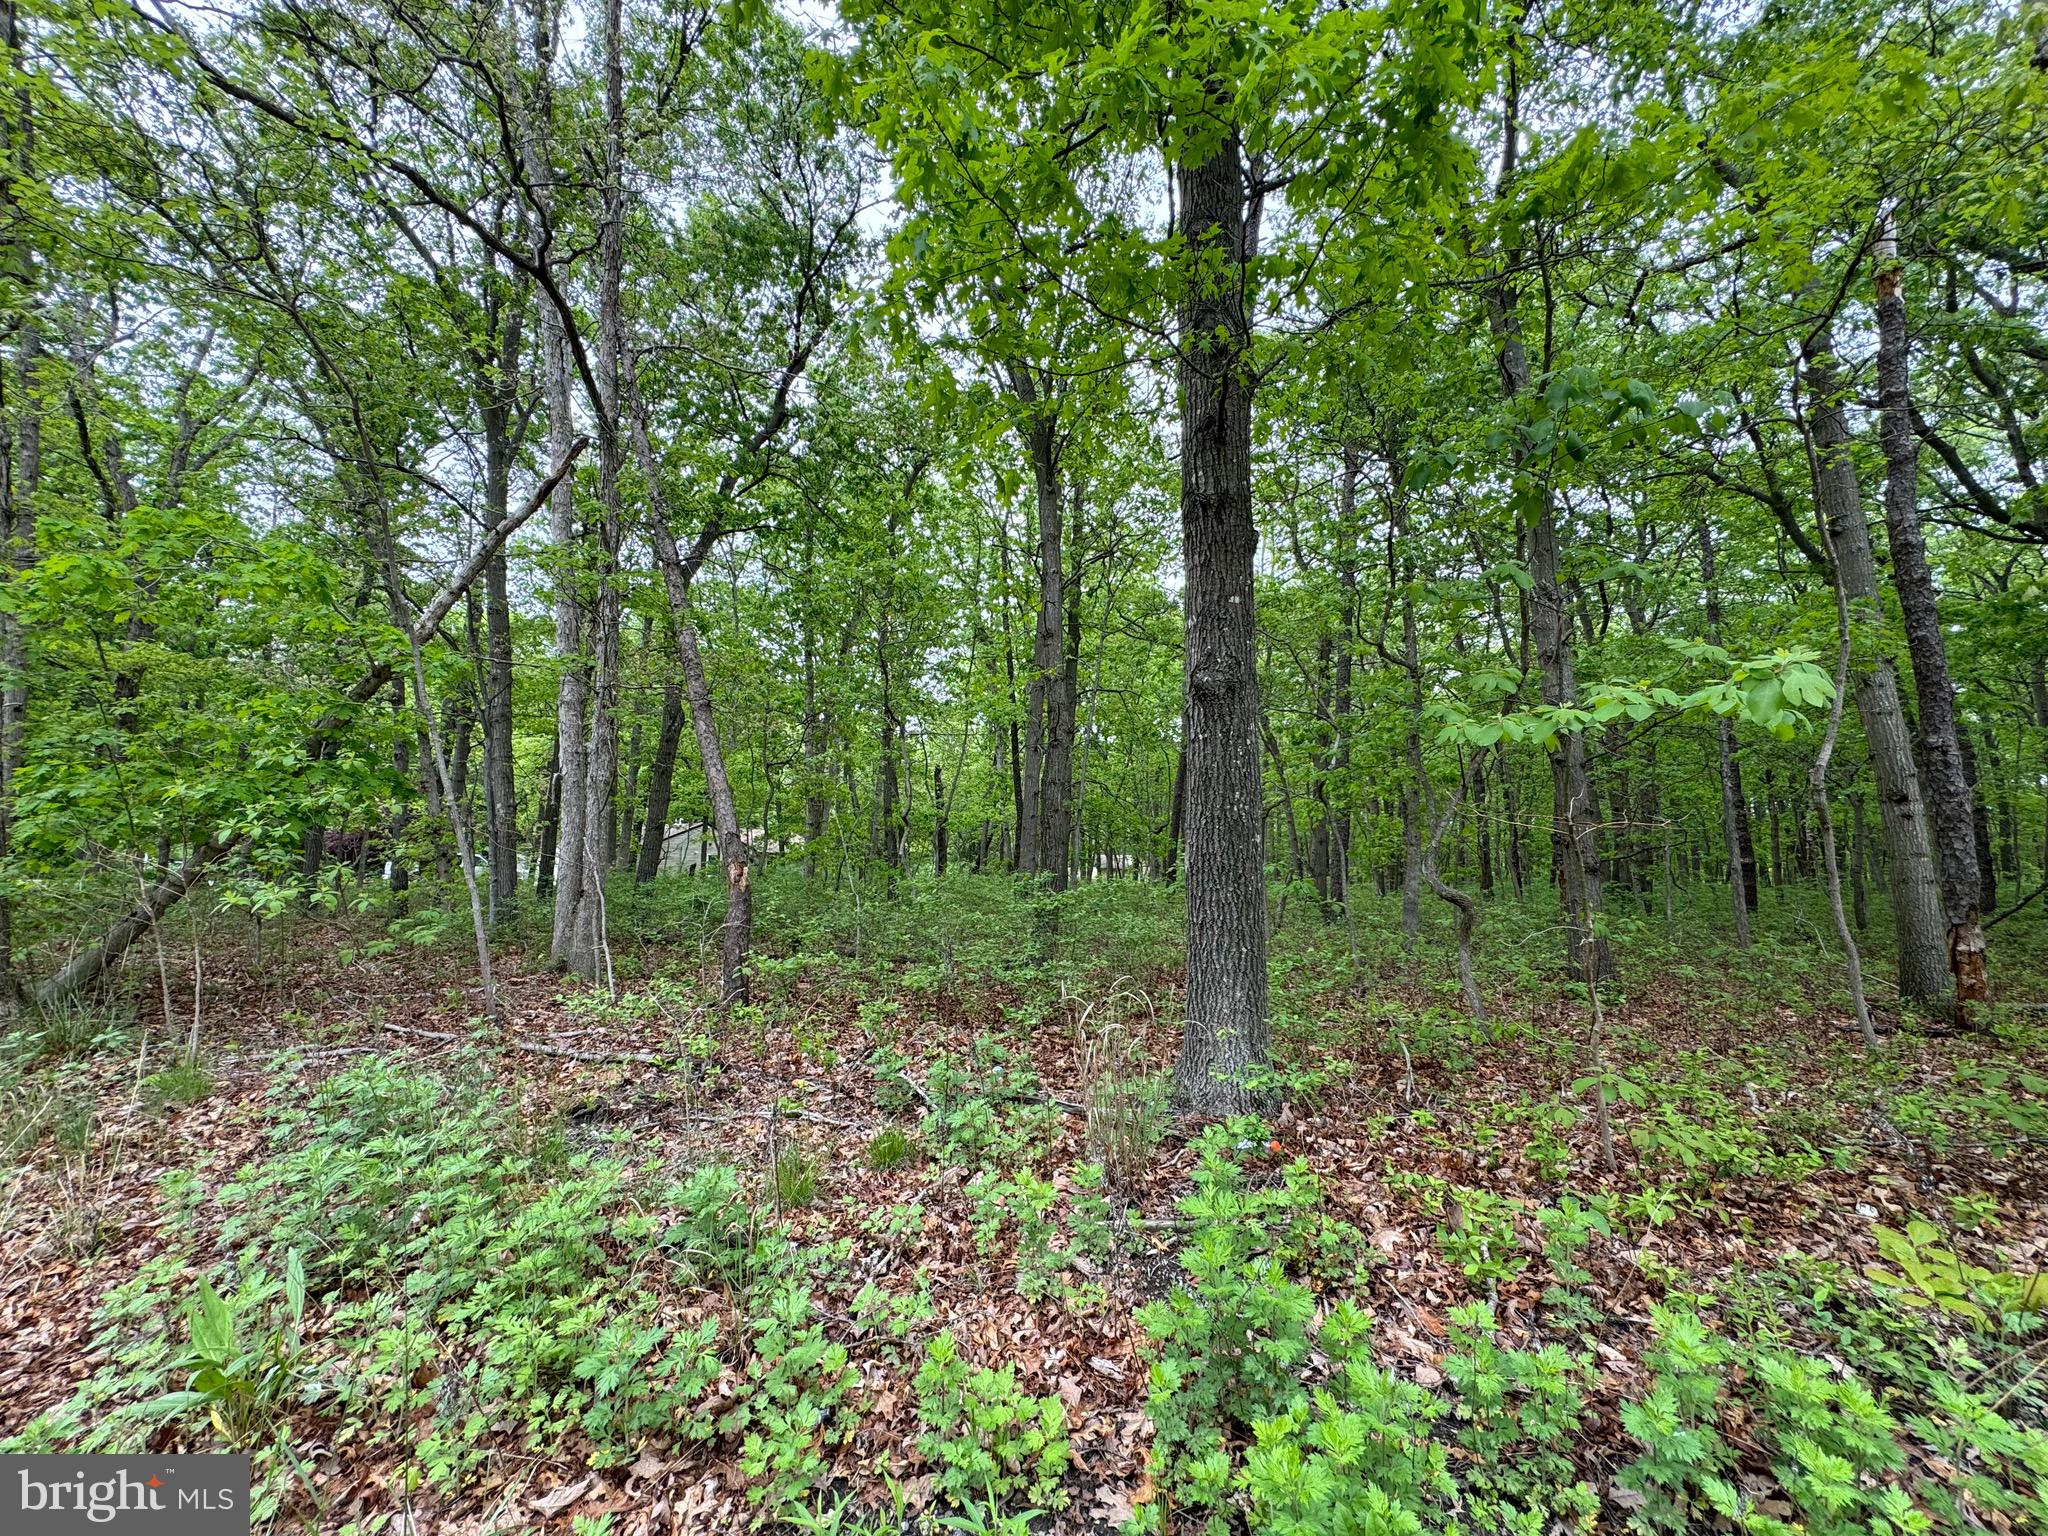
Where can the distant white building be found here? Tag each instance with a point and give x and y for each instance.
(689, 847)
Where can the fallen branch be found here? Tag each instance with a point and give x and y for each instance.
(1066, 1104)
(88, 967)
(537, 1048)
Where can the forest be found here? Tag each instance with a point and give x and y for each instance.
(1179, 767)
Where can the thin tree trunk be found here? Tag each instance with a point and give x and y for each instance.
(1916, 895)
(816, 767)
(661, 778)
(500, 793)
(550, 825)
(1739, 877)
(1724, 742)
(1980, 825)
(1351, 464)
(1482, 825)
(580, 944)
(451, 798)
(1048, 718)
(1859, 861)
(1817, 782)
(1777, 830)
(736, 941)
(1575, 813)
(1323, 760)
(1466, 908)
(571, 759)
(1412, 866)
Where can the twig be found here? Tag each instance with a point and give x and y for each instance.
(2023, 902)
(565, 1053)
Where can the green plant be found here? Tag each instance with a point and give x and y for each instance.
(1230, 1344)
(796, 1179)
(243, 1361)
(712, 1235)
(183, 1082)
(1680, 1481)
(70, 1029)
(989, 1441)
(1358, 1453)
(1478, 1236)
(989, 1116)
(1517, 1411)
(889, 1148)
(799, 1381)
(1973, 1212)
(1926, 1274)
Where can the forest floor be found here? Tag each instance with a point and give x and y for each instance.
(910, 1239)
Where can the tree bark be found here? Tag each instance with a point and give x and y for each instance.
(678, 572)
(550, 826)
(580, 946)
(661, 779)
(501, 795)
(87, 967)
(1916, 895)
(1412, 866)
(1468, 915)
(1859, 859)
(1226, 1033)
(816, 768)
(1955, 832)
(736, 939)
(1048, 759)
(1177, 805)
(571, 760)
(1575, 811)
(1352, 464)
(1817, 787)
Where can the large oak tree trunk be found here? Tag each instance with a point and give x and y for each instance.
(1227, 1029)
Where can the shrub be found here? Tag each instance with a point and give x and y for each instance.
(990, 1441)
